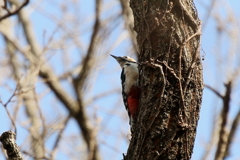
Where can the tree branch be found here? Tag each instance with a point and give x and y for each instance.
(232, 134)
(8, 141)
(214, 91)
(60, 135)
(222, 142)
(128, 20)
(79, 83)
(10, 13)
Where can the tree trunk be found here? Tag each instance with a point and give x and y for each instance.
(168, 36)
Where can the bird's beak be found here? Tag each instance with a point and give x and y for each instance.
(114, 56)
(120, 60)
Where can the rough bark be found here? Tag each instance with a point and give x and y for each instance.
(9, 144)
(168, 36)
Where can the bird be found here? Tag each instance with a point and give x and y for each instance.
(129, 80)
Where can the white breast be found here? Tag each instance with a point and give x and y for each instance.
(131, 76)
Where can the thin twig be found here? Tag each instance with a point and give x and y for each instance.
(181, 122)
(33, 156)
(128, 19)
(191, 20)
(101, 95)
(60, 135)
(13, 12)
(5, 6)
(209, 10)
(40, 114)
(78, 84)
(169, 68)
(198, 33)
(214, 91)
(8, 113)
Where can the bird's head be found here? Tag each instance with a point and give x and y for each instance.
(123, 60)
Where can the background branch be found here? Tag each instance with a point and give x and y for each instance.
(223, 134)
(10, 13)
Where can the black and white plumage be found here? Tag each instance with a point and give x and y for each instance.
(130, 89)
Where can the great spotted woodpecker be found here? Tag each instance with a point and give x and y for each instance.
(130, 89)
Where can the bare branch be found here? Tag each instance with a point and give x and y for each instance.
(88, 60)
(128, 19)
(209, 11)
(197, 34)
(60, 135)
(15, 93)
(104, 94)
(232, 134)
(214, 91)
(87, 130)
(76, 110)
(10, 13)
(222, 142)
(190, 19)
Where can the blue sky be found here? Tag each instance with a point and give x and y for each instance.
(112, 118)
(215, 76)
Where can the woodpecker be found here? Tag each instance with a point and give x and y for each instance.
(130, 89)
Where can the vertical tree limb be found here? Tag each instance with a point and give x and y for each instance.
(223, 134)
(79, 82)
(168, 34)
